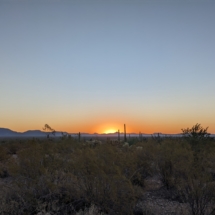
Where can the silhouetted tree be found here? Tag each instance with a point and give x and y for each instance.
(49, 129)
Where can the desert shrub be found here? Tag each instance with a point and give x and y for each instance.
(174, 160)
(38, 184)
(157, 138)
(3, 171)
(198, 191)
(149, 154)
(30, 163)
(13, 147)
(188, 173)
(102, 180)
(142, 166)
(3, 154)
(68, 178)
(133, 140)
(92, 210)
(196, 132)
(196, 136)
(26, 196)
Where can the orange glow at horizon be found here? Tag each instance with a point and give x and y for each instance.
(108, 131)
(107, 128)
(130, 128)
(110, 126)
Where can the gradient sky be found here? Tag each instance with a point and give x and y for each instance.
(93, 65)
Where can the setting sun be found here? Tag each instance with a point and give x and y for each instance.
(110, 131)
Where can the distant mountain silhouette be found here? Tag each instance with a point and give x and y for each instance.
(33, 133)
(5, 132)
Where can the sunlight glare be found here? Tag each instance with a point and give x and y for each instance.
(110, 131)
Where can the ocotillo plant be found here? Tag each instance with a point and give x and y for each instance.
(125, 139)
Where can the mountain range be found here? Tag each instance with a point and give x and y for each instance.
(5, 132)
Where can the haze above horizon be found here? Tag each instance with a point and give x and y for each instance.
(92, 66)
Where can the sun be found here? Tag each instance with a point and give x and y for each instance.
(110, 131)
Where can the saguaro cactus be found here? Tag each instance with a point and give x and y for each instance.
(125, 139)
(118, 135)
(79, 137)
(140, 136)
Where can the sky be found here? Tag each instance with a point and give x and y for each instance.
(93, 65)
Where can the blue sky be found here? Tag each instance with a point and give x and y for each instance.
(93, 65)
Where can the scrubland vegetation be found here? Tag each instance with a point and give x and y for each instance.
(65, 176)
